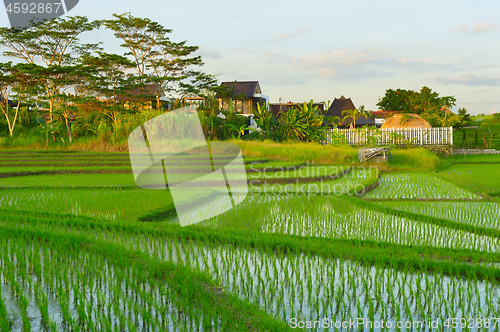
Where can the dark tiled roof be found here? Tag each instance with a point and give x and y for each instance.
(147, 92)
(339, 105)
(361, 120)
(11, 103)
(247, 89)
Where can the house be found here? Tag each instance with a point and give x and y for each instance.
(277, 108)
(245, 96)
(342, 104)
(9, 102)
(193, 100)
(339, 105)
(148, 95)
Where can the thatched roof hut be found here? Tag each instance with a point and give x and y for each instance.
(399, 121)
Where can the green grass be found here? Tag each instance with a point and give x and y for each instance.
(335, 218)
(66, 168)
(70, 180)
(476, 159)
(100, 203)
(354, 182)
(481, 178)
(420, 159)
(302, 152)
(157, 295)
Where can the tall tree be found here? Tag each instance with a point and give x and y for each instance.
(158, 59)
(426, 103)
(396, 100)
(6, 84)
(17, 82)
(107, 77)
(56, 44)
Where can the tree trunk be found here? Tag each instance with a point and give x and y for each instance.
(51, 107)
(68, 129)
(13, 124)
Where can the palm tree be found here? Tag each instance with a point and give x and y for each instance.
(334, 121)
(353, 114)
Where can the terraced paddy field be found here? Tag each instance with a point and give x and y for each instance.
(312, 247)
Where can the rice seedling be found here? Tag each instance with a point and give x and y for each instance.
(286, 284)
(75, 259)
(480, 214)
(107, 203)
(69, 273)
(69, 181)
(417, 185)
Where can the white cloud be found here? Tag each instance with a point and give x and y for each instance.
(210, 53)
(300, 33)
(468, 79)
(417, 61)
(478, 27)
(340, 57)
(352, 64)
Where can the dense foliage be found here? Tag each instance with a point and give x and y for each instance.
(426, 103)
(302, 123)
(79, 88)
(485, 133)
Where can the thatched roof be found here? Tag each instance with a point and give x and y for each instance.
(414, 121)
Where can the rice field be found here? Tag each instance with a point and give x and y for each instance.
(479, 214)
(418, 185)
(85, 249)
(483, 178)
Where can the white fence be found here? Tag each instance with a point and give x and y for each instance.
(392, 136)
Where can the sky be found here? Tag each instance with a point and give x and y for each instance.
(323, 49)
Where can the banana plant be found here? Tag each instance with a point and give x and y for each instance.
(293, 125)
(313, 120)
(266, 122)
(240, 131)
